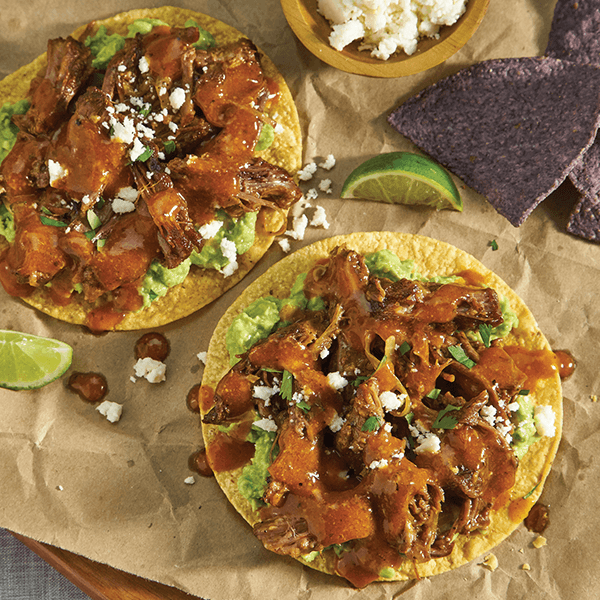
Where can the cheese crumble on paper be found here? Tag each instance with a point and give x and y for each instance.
(111, 410)
(153, 370)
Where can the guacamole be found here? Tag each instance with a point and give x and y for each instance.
(525, 432)
(239, 232)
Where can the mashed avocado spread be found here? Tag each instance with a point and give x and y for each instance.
(238, 232)
(525, 432)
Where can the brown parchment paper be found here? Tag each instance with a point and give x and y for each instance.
(116, 492)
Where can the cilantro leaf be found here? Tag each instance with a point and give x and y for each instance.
(433, 394)
(287, 382)
(47, 221)
(404, 348)
(493, 244)
(303, 405)
(485, 330)
(359, 380)
(459, 355)
(445, 420)
(371, 424)
(523, 393)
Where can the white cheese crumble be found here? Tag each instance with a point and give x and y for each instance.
(388, 25)
(543, 417)
(209, 230)
(336, 381)
(328, 163)
(307, 172)
(488, 414)
(202, 357)
(312, 194)
(324, 353)
(377, 464)
(143, 65)
(230, 253)
(56, 171)
(336, 423)
(266, 424)
(121, 206)
(426, 440)
(123, 132)
(137, 150)
(111, 410)
(391, 401)
(299, 225)
(285, 244)
(264, 393)
(189, 480)
(177, 98)
(128, 193)
(325, 186)
(153, 370)
(320, 218)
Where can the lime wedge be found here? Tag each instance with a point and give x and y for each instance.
(403, 178)
(29, 361)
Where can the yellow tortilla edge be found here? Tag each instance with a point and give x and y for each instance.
(432, 258)
(202, 286)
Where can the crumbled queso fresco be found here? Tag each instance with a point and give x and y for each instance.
(385, 26)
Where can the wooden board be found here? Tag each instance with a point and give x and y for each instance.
(99, 581)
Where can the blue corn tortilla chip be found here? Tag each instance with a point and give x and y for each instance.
(512, 129)
(584, 221)
(574, 34)
(585, 175)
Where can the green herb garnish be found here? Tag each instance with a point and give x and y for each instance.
(287, 382)
(445, 420)
(404, 348)
(53, 222)
(169, 146)
(371, 424)
(530, 492)
(523, 393)
(303, 406)
(485, 330)
(493, 244)
(93, 219)
(460, 356)
(145, 155)
(434, 394)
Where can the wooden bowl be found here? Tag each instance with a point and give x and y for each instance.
(313, 31)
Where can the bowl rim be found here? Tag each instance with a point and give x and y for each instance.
(304, 20)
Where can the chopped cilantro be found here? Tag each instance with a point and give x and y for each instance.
(493, 244)
(89, 234)
(524, 393)
(145, 155)
(47, 221)
(434, 394)
(485, 330)
(359, 380)
(371, 424)
(404, 348)
(445, 420)
(303, 405)
(460, 356)
(169, 146)
(286, 385)
(530, 492)
(409, 417)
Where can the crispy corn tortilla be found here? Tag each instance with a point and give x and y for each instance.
(201, 286)
(432, 258)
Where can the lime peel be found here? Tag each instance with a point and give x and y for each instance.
(29, 361)
(403, 178)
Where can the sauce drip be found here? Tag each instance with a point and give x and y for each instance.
(193, 398)
(566, 363)
(538, 518)
(152, 345)
(226, 453)
(90, 387)
(198, 463)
